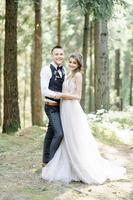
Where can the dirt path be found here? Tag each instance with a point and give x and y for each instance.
(20, 178)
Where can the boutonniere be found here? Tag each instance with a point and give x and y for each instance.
(57, 75)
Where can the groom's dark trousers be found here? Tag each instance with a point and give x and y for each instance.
(54, 132)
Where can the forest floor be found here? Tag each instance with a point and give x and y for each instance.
(20, 171)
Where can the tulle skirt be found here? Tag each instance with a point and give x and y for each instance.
(78, 158)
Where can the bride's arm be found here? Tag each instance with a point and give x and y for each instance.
(78, 92)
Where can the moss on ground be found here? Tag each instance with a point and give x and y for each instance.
(20, 172)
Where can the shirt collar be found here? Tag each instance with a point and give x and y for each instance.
(55, 65)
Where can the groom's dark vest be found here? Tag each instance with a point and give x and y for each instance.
(56, 81)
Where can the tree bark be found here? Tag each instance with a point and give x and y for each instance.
(11, 121)
(59, 23)
(131, 77)
(91, 75)
(36, 100)
(0, 82)
(85, 52)
(101, 66)
(117, 72)
(131, 86)
(125, 88)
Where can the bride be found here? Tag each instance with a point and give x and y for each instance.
(78, 158)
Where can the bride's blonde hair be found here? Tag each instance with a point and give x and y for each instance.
(79, 59)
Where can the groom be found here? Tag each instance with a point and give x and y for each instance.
(52, 78)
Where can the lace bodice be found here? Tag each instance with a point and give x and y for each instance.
(69, 85)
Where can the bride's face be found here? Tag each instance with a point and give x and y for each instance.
(73, 64)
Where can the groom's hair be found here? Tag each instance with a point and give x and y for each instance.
(56, 47)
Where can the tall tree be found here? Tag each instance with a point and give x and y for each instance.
(117, 72)
(91, 75)
(101, 65)
(59, 23)
(85, 55)
(11, 121)
(1, 79)
(100, 10)
(25, 88)
(131, 76)
(36, 100)
(131, 85)
(125, 85)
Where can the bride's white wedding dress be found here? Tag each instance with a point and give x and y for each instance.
(78, 158)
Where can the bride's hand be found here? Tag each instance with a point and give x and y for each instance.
(69, 96)
(66, 96)
(58, 95)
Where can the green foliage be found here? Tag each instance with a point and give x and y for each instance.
(2, 17)
(105, 135)
(124, 121)
(71, 29)
(12, 127)
(98, 8)
(120, 32)
(25, 25)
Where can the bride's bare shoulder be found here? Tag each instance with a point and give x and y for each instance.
(78, 75)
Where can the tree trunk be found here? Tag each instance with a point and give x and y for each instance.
(91, 75)
(11, 121)
(0, 81)
(25, 89)
(131, 86)
(125, 79)
(36, 99)
(85, 52)
(101, 66)
(131, 77)
(117, 72)
(59, 23)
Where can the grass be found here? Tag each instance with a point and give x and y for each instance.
(105, 135)
(20, 166)
(124, 121)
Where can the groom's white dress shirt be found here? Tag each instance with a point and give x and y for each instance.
(45, 77)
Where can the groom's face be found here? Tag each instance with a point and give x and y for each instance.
(58, 56)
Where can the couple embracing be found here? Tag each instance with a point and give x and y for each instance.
(70, 152)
